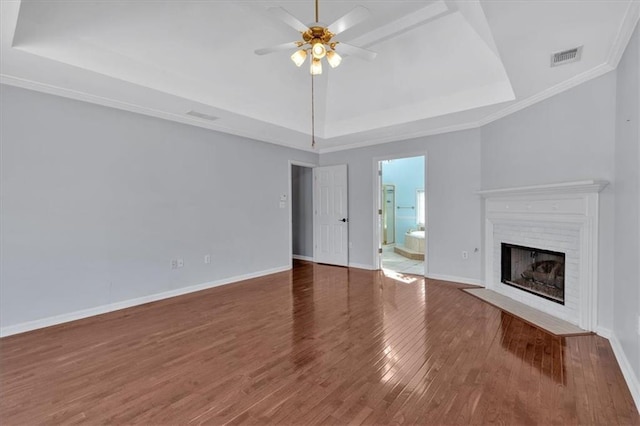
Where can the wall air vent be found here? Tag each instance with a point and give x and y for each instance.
(202, 115)
(566, 56)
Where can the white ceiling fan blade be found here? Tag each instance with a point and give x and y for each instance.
(403, 24)
(288, 18)
(351, 50)
(357, 15)
(277, 48)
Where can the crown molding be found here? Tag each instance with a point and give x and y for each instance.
(404, 137)
(548, 93)
(139, 109)
(625, 32)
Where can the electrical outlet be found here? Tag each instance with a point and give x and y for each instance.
(465, 255)
(174, 264)
(207, 258)
(180, 263)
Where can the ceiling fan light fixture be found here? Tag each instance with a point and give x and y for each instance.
(299, 56)
(316, 67)
(333, 58)
(317, 49)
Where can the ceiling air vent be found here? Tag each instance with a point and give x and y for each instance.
(566, 56)
(202, 115)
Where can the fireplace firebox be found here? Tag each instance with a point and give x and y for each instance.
(534, 270)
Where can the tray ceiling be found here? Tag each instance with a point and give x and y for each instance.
(441, 65)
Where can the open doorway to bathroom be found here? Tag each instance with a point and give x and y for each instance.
(402, 215)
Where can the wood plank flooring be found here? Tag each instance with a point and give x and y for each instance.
(315, 345)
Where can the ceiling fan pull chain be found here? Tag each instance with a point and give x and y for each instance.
(313, 116)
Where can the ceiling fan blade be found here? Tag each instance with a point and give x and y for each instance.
(351, 50)
(277, 48)
(288, 18)
(357, 15)
(403, 24)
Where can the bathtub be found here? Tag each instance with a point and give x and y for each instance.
(414, 240)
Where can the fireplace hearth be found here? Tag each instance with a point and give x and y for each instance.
(534, 270)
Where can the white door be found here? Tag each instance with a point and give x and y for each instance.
(331, 220)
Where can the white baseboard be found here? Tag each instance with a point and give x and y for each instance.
(627, 371)
(361, 266)
(115, 306)
(300, 257)
(461, 280)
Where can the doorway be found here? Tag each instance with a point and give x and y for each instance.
(402, 226)
(301, 211)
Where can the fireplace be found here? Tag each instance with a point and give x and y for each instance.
(559, 224)
(534, 270)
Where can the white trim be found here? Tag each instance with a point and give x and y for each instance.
(454, 279)
(579, 187)
(512, 108)
(139, 109)
(300, 257)
(625, 32)
(547, 93)
(627, 371)
(372, 140)
(362, 266)
(115, 306)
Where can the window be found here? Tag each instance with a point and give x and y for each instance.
(420, 210)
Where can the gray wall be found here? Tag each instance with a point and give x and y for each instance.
(568, 137)
(302, 210)
(626, 299)
(97, 201)
(453, 208)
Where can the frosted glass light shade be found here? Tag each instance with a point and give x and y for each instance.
(316, 67)
(333, 58)
(299, 56)
(318, 50)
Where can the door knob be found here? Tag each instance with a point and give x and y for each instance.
(344, 219)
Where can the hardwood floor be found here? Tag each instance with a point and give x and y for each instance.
(316, 345)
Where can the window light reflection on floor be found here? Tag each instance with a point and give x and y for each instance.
(404, 279)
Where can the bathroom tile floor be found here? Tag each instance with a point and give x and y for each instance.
(397, 263)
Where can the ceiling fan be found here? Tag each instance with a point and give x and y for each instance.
(317, 39)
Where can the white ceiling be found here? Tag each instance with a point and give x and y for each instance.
(454, 65)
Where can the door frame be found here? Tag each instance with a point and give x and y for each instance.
(290, 203)
(377, 205)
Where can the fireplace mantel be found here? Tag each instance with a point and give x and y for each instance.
(561, 217)
(579, 187)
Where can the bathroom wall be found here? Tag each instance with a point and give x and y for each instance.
(407, 175)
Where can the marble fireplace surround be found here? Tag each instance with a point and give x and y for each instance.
(559, 217)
